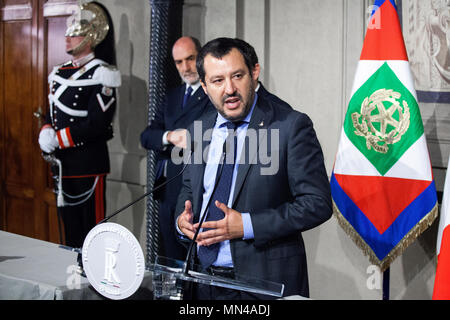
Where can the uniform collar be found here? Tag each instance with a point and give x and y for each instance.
(83, 60)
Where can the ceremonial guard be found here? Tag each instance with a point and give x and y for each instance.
(82, 100)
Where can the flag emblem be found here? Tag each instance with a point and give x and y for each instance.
(389, 129)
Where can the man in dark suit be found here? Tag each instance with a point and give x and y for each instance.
(258, 208)
(181, 107)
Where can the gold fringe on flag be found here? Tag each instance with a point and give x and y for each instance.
(420, 227)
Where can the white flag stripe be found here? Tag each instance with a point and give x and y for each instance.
(350, 161)
(414, 163)
(403, 73)
(444, 220)
(366, 68)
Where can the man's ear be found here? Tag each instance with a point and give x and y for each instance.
(256, 71)
(204, 87)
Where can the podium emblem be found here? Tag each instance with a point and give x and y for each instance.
(113, 261)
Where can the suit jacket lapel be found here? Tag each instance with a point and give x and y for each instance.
(193, 101)
(259, 120)
(198, 95)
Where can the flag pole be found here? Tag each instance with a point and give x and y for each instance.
(386, 276)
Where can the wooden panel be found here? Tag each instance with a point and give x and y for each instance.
(30, 45)
(59, 8)
(56, 54)
(2, 134)
(53, 225)
(10, 3)
(20, 191)
(16, 12)
(19, 216)
(17, 155)
(18, 102)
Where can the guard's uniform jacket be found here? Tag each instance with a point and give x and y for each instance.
(82, 105)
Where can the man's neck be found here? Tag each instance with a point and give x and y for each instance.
(82, 59)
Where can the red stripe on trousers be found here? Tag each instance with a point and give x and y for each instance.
(99, 200)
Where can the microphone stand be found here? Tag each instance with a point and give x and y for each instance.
(79, 260)
(151, 191)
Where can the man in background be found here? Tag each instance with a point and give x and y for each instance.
(182, 105)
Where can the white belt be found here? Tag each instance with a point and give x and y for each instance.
(74, 83)
(66, 109)
(65, 83)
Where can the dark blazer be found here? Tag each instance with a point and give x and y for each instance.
(283, 204)
(263, 93)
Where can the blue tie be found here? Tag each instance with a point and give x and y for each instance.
(186, 96)
(208, 254)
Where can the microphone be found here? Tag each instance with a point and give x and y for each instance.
(191, 245)
(193, 147)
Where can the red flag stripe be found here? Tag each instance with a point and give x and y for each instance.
(441, 289)
(381, 199)
(384, 39)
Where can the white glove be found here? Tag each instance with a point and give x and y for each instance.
(48, 140)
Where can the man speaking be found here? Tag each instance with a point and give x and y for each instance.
(256, 216)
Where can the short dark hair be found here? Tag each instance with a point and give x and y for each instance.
(222, 46)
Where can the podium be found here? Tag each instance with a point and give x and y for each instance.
(114, 264)
(169, 278)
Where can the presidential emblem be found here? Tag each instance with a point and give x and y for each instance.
(382, 120)
(113, 261)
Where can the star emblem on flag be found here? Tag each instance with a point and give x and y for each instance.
(379, 124)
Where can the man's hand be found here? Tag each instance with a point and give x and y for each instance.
(185, 221)
(230, 227)
(177, 138)
(47, 139)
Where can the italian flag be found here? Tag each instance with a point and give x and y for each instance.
(382, 184)
(442, 281)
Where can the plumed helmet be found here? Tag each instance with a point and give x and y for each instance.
(90, 21)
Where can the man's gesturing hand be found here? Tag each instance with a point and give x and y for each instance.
(185, 220)
(178, 138)
(230, 227)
